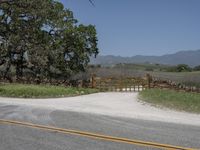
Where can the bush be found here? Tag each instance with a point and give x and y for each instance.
(183, 68)
(197, 68)
(180, 68)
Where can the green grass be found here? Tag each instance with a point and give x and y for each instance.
(41, 91)
(182, 101)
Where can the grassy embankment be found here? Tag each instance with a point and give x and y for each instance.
(181, 101)
(41, 91)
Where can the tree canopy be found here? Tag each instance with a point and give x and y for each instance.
(44, 38)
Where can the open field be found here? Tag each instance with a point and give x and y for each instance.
(182, 101)
(41, 91)
(187, 78)
(144, 66)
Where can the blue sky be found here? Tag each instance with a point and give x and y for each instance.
(141, 27)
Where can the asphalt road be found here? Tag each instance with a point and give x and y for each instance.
(13, 137)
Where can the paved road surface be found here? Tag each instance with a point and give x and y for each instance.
(114, 104)
(23, 138)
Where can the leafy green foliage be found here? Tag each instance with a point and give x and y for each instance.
(196, 68)
(180, 68)
(42, 36)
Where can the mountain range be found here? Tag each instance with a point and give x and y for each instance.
(190, 57)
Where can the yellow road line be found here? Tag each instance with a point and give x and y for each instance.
(94, 135)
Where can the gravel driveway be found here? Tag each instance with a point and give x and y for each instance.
(111, 104)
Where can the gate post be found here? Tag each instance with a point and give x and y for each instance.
(149, 78)
(93, 81)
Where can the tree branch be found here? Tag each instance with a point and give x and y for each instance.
(91, 1)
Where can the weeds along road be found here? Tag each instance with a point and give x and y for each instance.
(19, 137)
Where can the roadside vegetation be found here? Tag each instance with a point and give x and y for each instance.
(41, 91)
(181, 101)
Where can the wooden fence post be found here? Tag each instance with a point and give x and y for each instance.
(149, 79)
(93, 81)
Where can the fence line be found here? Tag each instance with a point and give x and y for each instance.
(169, 84)
(136, 84)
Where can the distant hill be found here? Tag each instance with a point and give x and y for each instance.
(191, 58)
